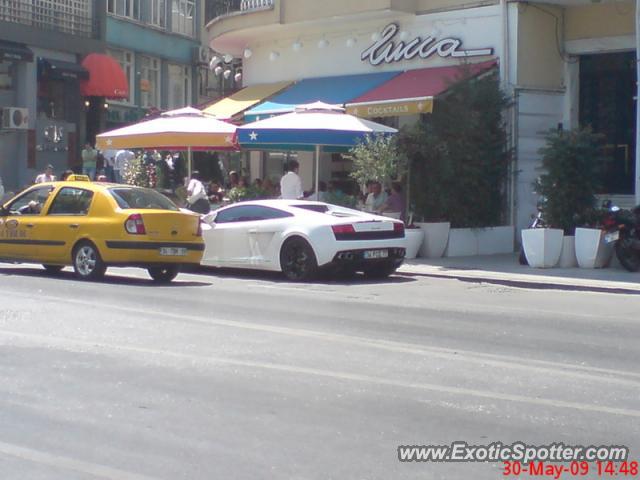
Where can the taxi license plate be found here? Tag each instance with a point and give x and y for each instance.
(371, 254)
(611, 237)
(173, 252)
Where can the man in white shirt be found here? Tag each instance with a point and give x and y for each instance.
(109, 163)
(290, 183)
(47, 176)
(122, 157)
(376, 199)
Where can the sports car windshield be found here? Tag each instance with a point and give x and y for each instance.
(332, 210)
(141, 198)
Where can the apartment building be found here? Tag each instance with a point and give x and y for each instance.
(564, 63)
(42, 44)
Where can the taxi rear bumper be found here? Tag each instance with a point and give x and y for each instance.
(142, 253)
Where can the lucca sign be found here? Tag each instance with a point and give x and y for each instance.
(387, 50)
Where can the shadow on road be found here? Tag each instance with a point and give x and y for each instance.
(277, 277)
(109, 278)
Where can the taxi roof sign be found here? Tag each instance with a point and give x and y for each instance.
(78, 178)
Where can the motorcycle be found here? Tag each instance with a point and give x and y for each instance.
(537, 221)
(623, 228)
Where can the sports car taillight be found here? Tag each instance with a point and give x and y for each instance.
(398, 228)
(135, 225)
(342, 229)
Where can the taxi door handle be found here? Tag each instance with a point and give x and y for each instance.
(74, 225)
(29, 225)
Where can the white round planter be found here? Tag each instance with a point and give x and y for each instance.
(591, 251)
(414, 238)
(436, 235)
(568, 254)
(542, 246)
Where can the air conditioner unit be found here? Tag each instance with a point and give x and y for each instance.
(15, 118)
(201, 55)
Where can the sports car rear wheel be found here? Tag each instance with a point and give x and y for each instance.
(163, 274)
(297, 260)
(87, 263)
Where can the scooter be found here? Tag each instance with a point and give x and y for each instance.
(537, 221)
(623, 228)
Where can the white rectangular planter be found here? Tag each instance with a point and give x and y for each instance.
(436, 235)
(591, 250)
(414, 238)
(463, 242)
(542, 246)
(568, 254)
(494, 240)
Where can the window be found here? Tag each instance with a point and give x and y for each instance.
(149, 82)
(71, 201)
(158, 15)
(249, 213)
(141, 198)
(607, 86)
(31, 202)
(182, 17)
(179, 86)
(124, 8)
(6, 75)
(125, 59)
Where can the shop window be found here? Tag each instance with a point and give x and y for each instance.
(124, 8)
(51, 99)
(6, 76)
(607, 88)
(125, 59)
(149, 82)
(183, 17)
(179, 86)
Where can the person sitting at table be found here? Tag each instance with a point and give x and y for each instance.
(376, 199)
(215, 193)
(395, 202)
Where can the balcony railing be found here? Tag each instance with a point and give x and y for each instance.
(225, 7)
(67, 16)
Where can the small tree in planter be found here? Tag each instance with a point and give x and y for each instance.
(572, 161)
(378, 158)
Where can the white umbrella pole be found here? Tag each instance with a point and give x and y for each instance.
(189, 162)
(317, 170)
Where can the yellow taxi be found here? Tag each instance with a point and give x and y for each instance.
(93, 226)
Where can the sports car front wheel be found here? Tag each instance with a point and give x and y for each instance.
(297, 260)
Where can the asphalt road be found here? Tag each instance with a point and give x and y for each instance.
(226, 375)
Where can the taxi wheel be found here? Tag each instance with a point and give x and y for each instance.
(87, 262)
(53, 269)
(163, 274)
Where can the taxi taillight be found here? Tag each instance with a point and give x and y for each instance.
(135, 225)
(199, 231)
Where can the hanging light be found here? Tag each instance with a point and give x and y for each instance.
(215, 60)
(217, 70)
(351, 41)
(247, 53)
(323, 43)
(273, 56)
(87, 103)
(375, 36)
(403, 35)
(297, 46)
(228, 58)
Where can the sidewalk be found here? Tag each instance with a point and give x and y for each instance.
(505, 270)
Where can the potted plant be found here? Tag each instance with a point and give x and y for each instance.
(459, 167)
(572, 161)
(377, 158)
(414, 236)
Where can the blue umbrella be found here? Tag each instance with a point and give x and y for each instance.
(315, 126)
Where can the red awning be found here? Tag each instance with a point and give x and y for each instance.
(411, 92)
(106, 78)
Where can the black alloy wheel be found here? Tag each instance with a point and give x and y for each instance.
(297, 260)
(163, 274)
(87, 262)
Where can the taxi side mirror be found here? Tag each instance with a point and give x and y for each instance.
(4, 212)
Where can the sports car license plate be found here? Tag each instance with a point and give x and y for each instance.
(611, 237)
(173, 252)
(371, 254)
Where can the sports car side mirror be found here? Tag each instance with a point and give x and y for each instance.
(210, 218)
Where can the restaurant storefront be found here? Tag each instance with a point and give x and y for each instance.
(563, 66)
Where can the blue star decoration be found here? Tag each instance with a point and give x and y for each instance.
(253, 136)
